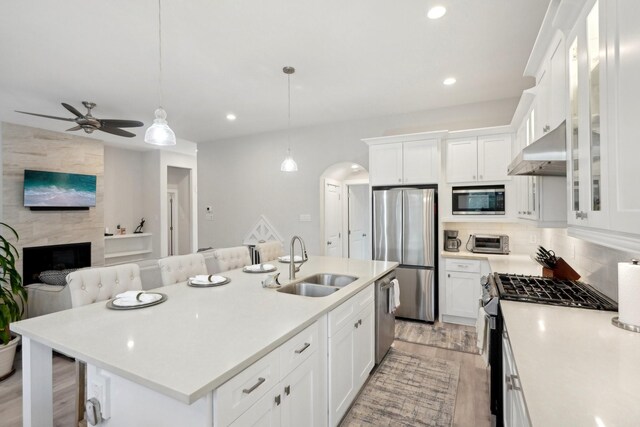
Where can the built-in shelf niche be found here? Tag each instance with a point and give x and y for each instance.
(127, 248)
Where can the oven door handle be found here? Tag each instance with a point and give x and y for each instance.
(491, 320)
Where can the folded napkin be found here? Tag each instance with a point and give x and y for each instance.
(287, 258)
(206, 279)
(260, 267)
(131, 298)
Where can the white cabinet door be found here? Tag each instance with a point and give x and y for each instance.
(364, 346)
(385, 164)
(420, 162)
(543, 96)
(301, 394)
(462, 293)
(494, 155)
(558, 84)
(462, 160)
(264, 413)
(623, 130)
(341, 372)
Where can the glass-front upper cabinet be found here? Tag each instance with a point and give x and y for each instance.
(584, 144)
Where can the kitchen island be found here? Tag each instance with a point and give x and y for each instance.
(179, 352)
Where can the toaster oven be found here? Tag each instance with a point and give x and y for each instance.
(489, 243)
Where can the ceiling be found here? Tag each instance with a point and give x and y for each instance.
(354, 59)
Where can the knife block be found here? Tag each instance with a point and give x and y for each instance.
(562, 271)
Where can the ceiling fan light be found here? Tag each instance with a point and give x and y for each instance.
(159, 133)
(288, 164)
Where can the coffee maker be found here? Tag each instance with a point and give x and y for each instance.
(451, 241)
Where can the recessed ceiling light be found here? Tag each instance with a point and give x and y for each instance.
(449, 81)
(354, 166)
(436, 12)
(231, 117)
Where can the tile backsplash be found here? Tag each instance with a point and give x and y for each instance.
(598, 265)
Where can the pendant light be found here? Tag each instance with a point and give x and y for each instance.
(159, 133)
(288, 164)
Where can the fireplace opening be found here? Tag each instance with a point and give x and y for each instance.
(37, 259)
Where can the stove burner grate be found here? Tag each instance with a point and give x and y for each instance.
(547, 290)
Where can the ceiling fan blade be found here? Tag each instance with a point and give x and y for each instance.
(48, 117)
(121, 123)
(72, 110)
(74, 128)
(116, 131)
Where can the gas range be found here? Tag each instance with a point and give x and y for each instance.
(547, 290)
(531, 289)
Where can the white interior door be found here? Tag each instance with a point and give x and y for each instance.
(332, 218)
(359, 247)
(172, 222)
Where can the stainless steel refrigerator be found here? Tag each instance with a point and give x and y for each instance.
(404, 230)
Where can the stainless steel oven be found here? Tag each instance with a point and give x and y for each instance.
(478, 200)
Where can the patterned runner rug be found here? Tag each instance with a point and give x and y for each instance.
(459, 339)
(407, 390)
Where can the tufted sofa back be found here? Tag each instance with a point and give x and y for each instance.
(179, 268)
(231, 258)
(269, 251)
(90, 285)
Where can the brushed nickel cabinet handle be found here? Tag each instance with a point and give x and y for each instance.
(356, 324)
(287, 390)
(277, 400)
(253, 387)
(304, 347)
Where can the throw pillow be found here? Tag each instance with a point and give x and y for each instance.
(55, 277)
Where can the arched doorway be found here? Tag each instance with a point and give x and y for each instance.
(345, 211)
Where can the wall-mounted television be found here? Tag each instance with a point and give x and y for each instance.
(43, 189)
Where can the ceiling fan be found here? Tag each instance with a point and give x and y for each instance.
(88, 123)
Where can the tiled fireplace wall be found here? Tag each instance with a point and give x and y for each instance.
(30, 148)
(598, 265)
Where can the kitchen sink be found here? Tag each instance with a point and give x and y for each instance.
(308, 289)
(329, 279)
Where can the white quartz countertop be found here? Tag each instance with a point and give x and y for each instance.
(576, 368)
(200, 337)
(512, 263)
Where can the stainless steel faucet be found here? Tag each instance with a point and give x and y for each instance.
(292, 265)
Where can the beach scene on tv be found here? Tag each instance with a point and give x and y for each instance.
(55, 189)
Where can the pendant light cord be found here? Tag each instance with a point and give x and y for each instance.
(160, 52)
(289, 116)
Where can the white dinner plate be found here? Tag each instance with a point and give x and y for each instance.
(153, 298)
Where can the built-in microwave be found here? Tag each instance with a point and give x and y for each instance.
(478, 200)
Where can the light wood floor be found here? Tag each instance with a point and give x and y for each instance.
(472, 401)
(64, 387)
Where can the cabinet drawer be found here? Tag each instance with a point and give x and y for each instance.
(343, 314)
(238, 394)
(299, 348)
(465, 265)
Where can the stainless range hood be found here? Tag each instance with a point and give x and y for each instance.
(546, 156)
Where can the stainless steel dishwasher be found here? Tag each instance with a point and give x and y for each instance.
(385, 320)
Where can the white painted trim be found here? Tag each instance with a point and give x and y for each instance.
(543, 40)
(406, 137)
(37, 384)
(611, 239)
(494, 130)
(524, 105)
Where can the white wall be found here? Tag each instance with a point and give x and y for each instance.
(123, 188)
(155, 165)
(241, 179)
